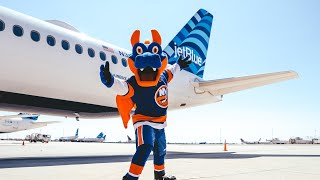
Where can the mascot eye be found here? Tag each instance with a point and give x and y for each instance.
(155, 50)
(139, 50)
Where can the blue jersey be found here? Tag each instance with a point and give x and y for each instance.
(151, 103)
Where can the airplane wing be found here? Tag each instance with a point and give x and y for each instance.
(19, 116)
(230, 85)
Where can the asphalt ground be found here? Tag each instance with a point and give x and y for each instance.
(57, 160)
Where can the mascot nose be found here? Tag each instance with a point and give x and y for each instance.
(147, 59)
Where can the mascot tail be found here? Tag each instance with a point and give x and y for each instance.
(193, 41)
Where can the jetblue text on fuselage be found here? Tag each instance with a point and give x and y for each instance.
(185, 51)
(124, 54)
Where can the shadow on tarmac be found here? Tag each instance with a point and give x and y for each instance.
(75, 160)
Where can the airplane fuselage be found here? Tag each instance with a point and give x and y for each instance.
(90, 140)
(9, 125)
(68, 138)
(53, 70)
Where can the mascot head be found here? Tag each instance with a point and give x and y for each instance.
(147, 60)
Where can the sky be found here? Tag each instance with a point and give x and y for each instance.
(248, 37)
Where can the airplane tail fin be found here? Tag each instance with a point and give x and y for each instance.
(193, 41)
(33, 118)
(77, 132)
(242, 140)
(100, 135)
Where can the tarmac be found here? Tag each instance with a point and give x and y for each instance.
(70, 160)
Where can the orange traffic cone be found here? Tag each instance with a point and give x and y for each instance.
(225, 145)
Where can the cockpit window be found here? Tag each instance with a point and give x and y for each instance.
(51, 40)
(35, 35)
(2, 25)
(78, 48)
(17, 30)
(91, 52)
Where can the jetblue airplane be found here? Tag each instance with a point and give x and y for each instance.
(250, 142)
(70, 138)
(9, 124)
(100, 138)
(50, 67)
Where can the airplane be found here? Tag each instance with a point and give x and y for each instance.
(56, 68)
(100, 138)
(70, 138)
(250, 142)
(278, 141)
(9, 124)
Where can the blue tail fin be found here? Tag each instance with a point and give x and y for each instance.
(77, 132)
(100, 135)
(33, 118)
(193, 41)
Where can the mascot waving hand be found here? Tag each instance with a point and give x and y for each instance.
(147, 92)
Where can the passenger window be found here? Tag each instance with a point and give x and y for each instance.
(51, 40)
(2, 25)
(35, 35)
(124, 62)
(114, 59)
(17, 30)
(91, 52)
(102, 56)
(65, 45)
(78, 48)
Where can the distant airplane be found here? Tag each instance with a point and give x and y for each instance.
(278, 141)
(100, 138)
(70, 138)
(50, 67)
(10, 124)
(250, 142)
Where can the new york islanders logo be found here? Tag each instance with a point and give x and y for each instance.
(161, 96)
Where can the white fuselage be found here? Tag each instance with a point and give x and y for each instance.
(68, 138)
(37, 69)
(90, 140)
(9, 125)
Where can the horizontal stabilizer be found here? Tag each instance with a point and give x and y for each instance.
(19, 116)
(230, 85)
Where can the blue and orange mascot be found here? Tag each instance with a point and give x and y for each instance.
(147, 93)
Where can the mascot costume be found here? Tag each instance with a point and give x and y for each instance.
(147, 93)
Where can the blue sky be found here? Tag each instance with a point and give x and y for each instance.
(248, 37)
